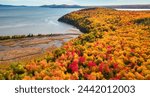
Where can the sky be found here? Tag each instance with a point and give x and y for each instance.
(71, 2)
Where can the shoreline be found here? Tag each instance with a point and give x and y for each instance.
(32, 35)
(73, 23)
(16, 50)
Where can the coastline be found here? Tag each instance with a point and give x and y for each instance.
(19, 48)
(73, 23)
(31, 35)
(27, 48)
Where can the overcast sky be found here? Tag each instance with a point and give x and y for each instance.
(79, 2)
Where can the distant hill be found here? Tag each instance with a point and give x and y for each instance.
(147, 6)
(63, 6)
(1, 5)
(6, 5)
(109, 6)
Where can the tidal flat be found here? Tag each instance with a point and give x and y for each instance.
(15, 50)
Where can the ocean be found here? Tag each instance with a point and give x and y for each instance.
(33, 20)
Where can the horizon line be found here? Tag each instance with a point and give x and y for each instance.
(76, 4)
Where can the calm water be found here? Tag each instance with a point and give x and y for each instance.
(33, 20)
(134, 9)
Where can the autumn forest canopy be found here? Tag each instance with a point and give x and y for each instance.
(115, 46)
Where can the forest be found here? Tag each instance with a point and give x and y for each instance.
(115, 45)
